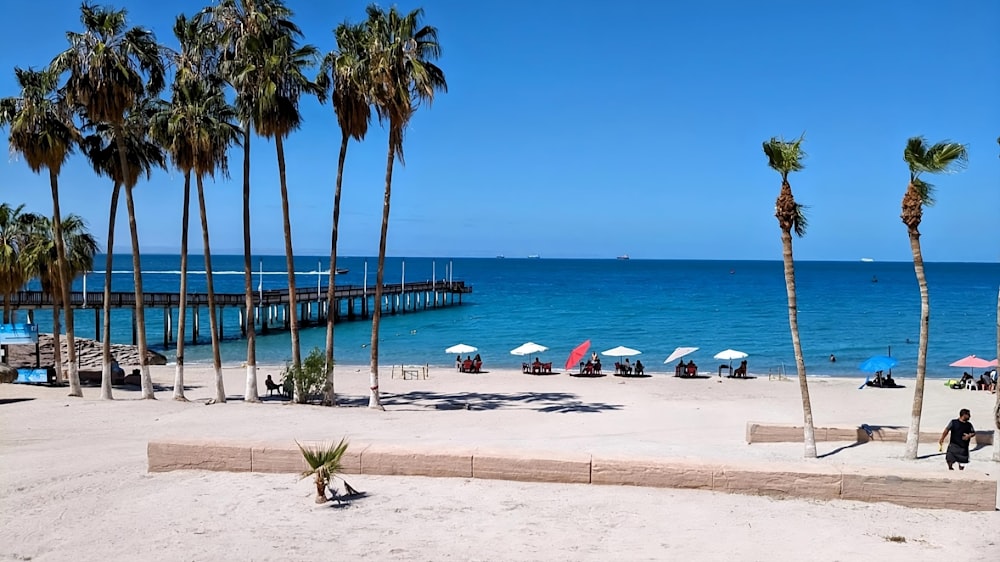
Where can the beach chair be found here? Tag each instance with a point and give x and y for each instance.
(477, 366)
(525, 368)
(467, 366)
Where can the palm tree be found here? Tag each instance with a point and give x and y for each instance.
(345, 70)
(245, 27)
(996, 407)
(141, 155)
(42, 261)
(324, 464)
(106, 66)
(786, 157)
(12, 241)
(400, 76)
(42, 130)
(920, 158)
(282, 70)
(179, 126)
(207, 120)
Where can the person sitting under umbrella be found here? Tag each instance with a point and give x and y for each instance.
(679, 370)
(536, 367)
(597, 365)
(638, 367)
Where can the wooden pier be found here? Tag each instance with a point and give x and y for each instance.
(351, 302)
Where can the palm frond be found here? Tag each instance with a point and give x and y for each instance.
(799, 221)
(323, 458)
(925, 190)
(785, 156)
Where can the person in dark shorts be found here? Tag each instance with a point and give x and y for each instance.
(961, 433)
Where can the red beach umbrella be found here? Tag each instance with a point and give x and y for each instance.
(972, 362)
(577, 354)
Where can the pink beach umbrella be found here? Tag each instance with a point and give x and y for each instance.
(577, 354)
(973, 362)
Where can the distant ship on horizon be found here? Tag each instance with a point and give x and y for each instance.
(623, 257)
(533, 256)
(867, 260)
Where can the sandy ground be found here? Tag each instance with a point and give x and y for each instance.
(74, 485)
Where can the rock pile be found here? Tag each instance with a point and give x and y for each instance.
(88, 351)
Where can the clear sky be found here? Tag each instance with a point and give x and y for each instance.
(591, 129)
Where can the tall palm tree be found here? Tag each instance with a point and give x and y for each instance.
(400, 77)
(345, 70)
(245, 27)
(42, 261)
(786, 157)
(141, 155)
(178, 127)
(996, 406)
(282, 68)
(201, 114)
(941, 157)
(12, 241)
(42, 130)
(110, 68)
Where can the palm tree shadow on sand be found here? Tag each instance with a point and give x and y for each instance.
(559, 402)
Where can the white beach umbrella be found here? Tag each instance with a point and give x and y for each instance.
(461, 348)
(529, 348)
(680, 352)
(729, 355)
(621, 351)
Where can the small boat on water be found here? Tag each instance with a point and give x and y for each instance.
(342, 270)
(867, 260)
(533, 257)
(500, 257)
(623, 257)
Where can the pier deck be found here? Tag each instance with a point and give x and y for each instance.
(351, 302)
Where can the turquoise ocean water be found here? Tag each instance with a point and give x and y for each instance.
(850, 309)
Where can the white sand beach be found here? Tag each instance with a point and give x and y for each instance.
(74, 482)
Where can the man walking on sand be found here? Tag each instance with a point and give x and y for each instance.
(961, 432)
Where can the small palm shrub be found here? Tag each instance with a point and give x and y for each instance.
(310, 379)
(324, 464)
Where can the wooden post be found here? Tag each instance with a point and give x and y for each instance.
(195, 324)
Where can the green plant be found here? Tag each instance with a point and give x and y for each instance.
(324, 463)
(309, 379)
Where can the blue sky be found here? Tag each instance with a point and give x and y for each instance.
(588, 130)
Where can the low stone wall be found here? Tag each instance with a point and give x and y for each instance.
(792, 433)
(957, 490)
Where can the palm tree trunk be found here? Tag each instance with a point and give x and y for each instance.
(250, 394)
(6, 308)
(108, 266)
(57, 341)
(913, 434)
(293, 316)
(64, 285)
(182, 309)
(374, 399)
(996, 389)
(809, 433)
(140, 313)
(220, 388)
(331, 395)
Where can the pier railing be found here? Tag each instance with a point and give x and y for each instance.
(120, 299)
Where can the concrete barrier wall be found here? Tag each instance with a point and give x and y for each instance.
(957, 490)
(792, 433)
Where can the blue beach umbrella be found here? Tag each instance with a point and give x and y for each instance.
(878, 363)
